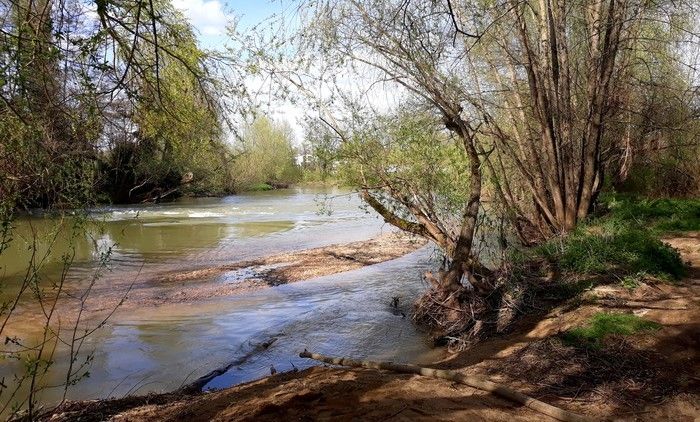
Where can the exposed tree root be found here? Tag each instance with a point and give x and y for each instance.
(456, 312)
(481, 384)
(449, 313)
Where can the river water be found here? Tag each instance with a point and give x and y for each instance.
(159, 348)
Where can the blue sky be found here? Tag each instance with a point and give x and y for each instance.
(210, 17)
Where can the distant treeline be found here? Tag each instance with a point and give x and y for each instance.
(117, 103)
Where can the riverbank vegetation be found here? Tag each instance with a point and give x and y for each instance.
(543, 147)
(509, 124)
(115, 102)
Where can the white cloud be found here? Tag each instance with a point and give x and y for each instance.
(208, 16)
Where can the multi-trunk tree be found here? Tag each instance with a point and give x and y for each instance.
(558, 85)
(533, 92)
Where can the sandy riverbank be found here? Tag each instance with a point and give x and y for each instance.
(270, 271)
(654, 376)
(191, 286)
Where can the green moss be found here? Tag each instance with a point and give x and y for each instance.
(604, 324)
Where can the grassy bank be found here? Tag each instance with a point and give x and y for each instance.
(622, 241)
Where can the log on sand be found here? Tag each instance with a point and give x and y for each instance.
(455, 376)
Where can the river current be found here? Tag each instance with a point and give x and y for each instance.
(158, 349)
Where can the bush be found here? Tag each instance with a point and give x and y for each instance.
(623, 247)
(604, 324)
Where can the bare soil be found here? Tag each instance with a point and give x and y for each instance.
(651, 376)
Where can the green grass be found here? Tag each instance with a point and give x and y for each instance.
(604, 324)
(633, 281)
(660, 214)
(624, 248)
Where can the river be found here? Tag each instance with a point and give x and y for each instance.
(157, 349)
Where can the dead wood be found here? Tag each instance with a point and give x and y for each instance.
(455, 376)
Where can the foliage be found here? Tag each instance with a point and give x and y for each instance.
(178, 132)
(319, 152)
(410, 154)
(604, 324)
(119, 101)
(664, 214)
(36, 173)
(265, 156)
(623, 248)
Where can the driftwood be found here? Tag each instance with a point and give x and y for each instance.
(455, 376)
(197, 385)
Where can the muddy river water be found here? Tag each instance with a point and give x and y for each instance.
(156, 349)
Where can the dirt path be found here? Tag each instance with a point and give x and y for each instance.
(651, 377)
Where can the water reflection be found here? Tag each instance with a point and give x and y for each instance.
(343, 314)
(191, 232)
(262, 228)
(157, 349)
(151, 239)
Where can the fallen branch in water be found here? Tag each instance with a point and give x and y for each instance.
(481, 384)
(197, 385)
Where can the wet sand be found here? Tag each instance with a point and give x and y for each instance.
(274, 270)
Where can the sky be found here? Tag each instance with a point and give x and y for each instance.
(210, 19)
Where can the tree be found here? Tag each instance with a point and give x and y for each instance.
(411, 45)
(319, 149)
(76, 78)
(177, 133)
(553, 81)
(48, 114)
(265, 156)
(410, 168)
